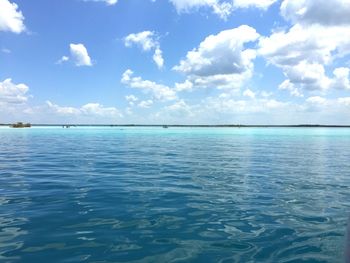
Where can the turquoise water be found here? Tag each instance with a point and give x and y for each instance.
(174, 195)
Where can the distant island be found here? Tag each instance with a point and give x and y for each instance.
(21, 125)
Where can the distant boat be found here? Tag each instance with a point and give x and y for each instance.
(21, 125)
(165, 126)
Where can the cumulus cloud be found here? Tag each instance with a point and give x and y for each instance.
(145, 104)
(100, 110)
(221, 8)
(291, 87)
(227, 108)
(221, 54)
(184, 86)
(344, 101)
(308, 49)
(307, 76)
(332, 108)
(313, 43)
(220, 81)
(341, 78)
(229, 105)
(90, 109)
(80, 55)
(179, 112)
(131, 99)
(11, 93)
(220, 60)
(181, 108)
(317, 100)
(158, 58)
(147, 41)
(62, 110)
(158, 91)
(330, 13)
(249, 93)
(11, 19)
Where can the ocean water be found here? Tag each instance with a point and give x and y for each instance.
(174, 195)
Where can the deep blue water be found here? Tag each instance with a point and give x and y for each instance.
(174, 195)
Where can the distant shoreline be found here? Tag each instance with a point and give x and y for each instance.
(190, 126)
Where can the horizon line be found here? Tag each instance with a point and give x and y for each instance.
(195, 125)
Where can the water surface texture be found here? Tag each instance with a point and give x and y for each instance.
(174, 195)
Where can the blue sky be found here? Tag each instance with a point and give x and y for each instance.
(175, 61)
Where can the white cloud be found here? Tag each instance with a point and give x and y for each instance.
(248, 93)
(108, 2)
(100, 110)
(158, 91)
(265, 94)
(221, 8)
(179, 113)
(289, 86)
(304, 52)
(309, 76)
(147, 41)
(344, 101)
(129, 111)
(62, 60)
(63, 110)
(221, 81)
(317, 100)
(11, 93)
(320, 34)
(315, 43)
(335, 12)
(145, 104)
(89, 110)
(79, 55)
(228, 105)
(341, 78)
(180, 107)
(11, 19)
(111, 2)
(220, 60)
(184, 86)
(158, 58)
(261, 4)
(131, 99)
(221, 54)
(332, 108)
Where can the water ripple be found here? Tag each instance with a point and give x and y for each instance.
(175, 195)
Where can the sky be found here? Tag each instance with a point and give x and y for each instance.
(175, 61)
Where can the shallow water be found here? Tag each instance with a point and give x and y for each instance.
(174, 195)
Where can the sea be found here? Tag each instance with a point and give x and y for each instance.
(149, 194)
